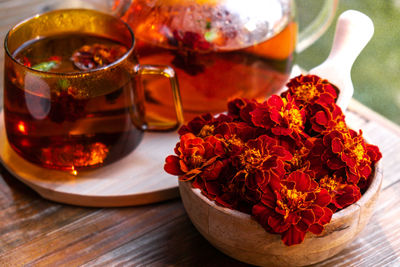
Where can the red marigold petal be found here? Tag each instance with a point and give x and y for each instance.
(307, 217)
(365, 171)
(293, 218)
(325, 99)
(260, 118)
(347, 196)
(261, 213)
(343, 200)
(373, 152)
(281, 131)
(183, 166)
(318, 211)
(190, 175)
(172, 165)
(268, 198)
(275, 116)
(253, 180)
(226, 200)
(293, 236)
(335, 164)
(351, 177)
(327, 216)
(198, 183)
(283, 153)
(323, 198)
(321, 118)
(277, 224)
(275, 102)
(301, 179)
(316, 229)
(310, 197)
(302, 226)
(212, 171)
(213, 188)
(350, 161)
(337, 145)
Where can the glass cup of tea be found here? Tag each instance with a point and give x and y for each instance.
(73, 94)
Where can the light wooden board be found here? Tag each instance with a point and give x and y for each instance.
(137, 179)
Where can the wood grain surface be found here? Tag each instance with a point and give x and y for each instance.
(38, 232)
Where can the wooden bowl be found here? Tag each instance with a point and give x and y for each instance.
(241, 237)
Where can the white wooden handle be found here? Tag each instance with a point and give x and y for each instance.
(353, 31)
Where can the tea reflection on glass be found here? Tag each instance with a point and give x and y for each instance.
(72, 95)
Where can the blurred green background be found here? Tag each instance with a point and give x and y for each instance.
(376, 72)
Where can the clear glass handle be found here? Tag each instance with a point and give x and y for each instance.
(318, 26)
(166, 72)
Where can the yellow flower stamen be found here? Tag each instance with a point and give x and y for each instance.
(329, 183)
(291, 200)
(295, 119)
(306, 92)
(340, 126)
(359, 152)
(250, 158)
(233, 140)
(207, 130)
(196, 160)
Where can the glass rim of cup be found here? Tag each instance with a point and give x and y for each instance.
(70, 74)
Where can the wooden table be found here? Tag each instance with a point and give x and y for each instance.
(34, 231)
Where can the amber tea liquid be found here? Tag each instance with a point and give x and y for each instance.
(59, 124)
(213, 61)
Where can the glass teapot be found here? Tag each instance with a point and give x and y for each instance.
(220, 49)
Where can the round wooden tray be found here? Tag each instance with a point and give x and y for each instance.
(137, 179)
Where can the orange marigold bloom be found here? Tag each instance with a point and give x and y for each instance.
(350, 151)
(311, 89)
(326, 120)
(342, 194)
(280, 115)
(292, 207)
(261, 159)
(240, 109)
(194, 154)
(204, 125)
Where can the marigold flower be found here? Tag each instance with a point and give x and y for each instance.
(235, 135)
(350, 151)
(342, 194)
(280, 115)
(240, 109)
(311, 89)
(194, 154)
(261, 159)
(326, 120)
(292, 207)
(204, 125)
